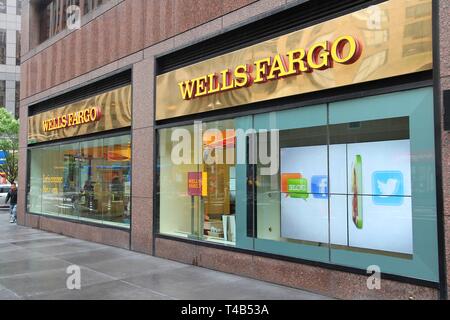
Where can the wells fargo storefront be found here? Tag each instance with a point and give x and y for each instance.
(316, 147)
(79, 160)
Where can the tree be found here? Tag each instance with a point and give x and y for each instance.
(9, 144)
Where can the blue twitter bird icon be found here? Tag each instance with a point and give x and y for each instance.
(388, 188)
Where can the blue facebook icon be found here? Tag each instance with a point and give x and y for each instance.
(319, 187)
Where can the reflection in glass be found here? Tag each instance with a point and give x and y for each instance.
(116, 178)
(91, 160)
(178, 210)
(197, 198)
(51, 176)
(87, 180)
(219, 200)
(292, 206)
(70, 178)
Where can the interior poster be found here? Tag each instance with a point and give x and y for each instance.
(368, 195)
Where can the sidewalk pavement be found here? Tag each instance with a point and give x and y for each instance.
(33, 265)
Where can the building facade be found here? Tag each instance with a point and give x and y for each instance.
(10, 11)
(298, 142)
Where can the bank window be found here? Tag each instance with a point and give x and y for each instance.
(87, 180)
(349, 183)
(339, 186)
(197, 182)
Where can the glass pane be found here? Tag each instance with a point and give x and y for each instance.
(385, 146)
(52, 177)
(218, 202)
(291, 213)
(114, 194)
(2, 45)
(91, 169)
(374, 156)
(197, 176)
(88, 180)
(292, 204)
(18, 48)
(18, 7)
(69, 169)
(90, 5)
(179, 190)
(36, 181)
(244, 194)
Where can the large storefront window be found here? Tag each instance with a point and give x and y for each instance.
(87, 180)
(198, 181)
(349, 183)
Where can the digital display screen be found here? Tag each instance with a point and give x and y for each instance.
(355, 194)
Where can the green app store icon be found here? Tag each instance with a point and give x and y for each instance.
(298, 188)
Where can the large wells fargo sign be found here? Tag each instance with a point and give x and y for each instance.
(106, 111)
(320, 56)
(386, 40)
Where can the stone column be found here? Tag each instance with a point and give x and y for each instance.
(142, 157)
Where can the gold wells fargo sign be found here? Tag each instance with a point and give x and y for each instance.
(389, 39)
(72, 119)
(320, 56)
(106, 111)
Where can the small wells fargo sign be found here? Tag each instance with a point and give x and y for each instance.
(72, 119)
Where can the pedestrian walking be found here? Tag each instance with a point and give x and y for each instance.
(12, 198)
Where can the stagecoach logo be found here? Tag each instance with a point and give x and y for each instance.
(320, 56)
(72, 119)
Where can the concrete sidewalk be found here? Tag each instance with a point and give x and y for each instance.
(33, 265)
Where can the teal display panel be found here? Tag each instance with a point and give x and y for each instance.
(399, 226)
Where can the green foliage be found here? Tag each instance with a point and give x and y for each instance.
(8, 124)
(9, 142)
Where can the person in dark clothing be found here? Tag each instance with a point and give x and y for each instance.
(12, 198)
